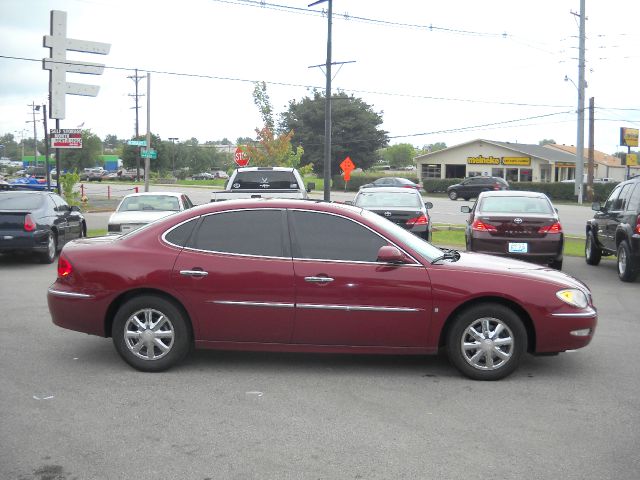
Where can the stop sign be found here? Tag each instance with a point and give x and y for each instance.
(241, 158)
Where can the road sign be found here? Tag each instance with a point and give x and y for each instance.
(137, 143)
(150, 153)
(241, 158)
(347, 167)
(66, 138)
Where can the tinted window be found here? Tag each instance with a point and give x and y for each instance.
(614, 195)
(263, 179)
(634, 201)
(249, 232)
(61, 205)
(323, 236)
(180, 234)
(19, 201)
(620, 203)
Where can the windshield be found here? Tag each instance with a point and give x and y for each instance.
(19, 201)
(425, 249)
(388, 199)
(515, 204)
(260, 179)
(161, 203)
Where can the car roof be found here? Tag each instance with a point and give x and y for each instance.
(256, 169)
(410, 191)
(512, 193)
(144, 194)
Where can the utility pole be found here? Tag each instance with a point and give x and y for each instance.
(591, 150)
(136, 78)
(173, 159)
(581, 87)
(147, 160)
(35, 136)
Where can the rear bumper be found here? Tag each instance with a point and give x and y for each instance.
(13, 240)
(539, 250)
(77, 310)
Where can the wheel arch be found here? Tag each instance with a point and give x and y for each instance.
(521, 312)
(126, 296)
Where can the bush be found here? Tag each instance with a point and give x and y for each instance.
(68, 182)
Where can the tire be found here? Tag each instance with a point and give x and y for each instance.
(83, 230)
(557, 264)
(592, 253)
(169, 336)
(52, 248)
(627, 267)
(475, 328)
(453, 195)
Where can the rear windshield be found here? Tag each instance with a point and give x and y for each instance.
(19, 201)
(385, 199)
(515, 205)
(150, 203)
(264, 179)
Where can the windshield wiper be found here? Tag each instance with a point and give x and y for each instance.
(448, 254)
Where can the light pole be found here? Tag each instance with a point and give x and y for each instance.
(173, 160)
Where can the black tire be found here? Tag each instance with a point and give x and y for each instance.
(83, 230)
(475, 327)
(169, 335)
(52, 248)
(627, 264)
(453, 195)
(557, 264)
(592, 253)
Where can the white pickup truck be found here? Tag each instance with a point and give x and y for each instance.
(263, 182)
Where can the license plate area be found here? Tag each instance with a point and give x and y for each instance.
(518, 247)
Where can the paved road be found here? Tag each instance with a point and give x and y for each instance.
(71, 409)
(573, 217)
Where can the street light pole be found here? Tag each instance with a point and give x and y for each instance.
(173, 160)
(581, 87)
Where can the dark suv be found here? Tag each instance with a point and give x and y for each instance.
(471, 187)
(615, 230)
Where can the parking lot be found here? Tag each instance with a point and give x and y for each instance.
(72, 408)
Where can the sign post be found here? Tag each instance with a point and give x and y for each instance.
(347, 167)
(241, 158)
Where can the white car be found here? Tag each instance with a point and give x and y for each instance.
(138, 209)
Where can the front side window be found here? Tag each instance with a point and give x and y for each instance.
(246, 232)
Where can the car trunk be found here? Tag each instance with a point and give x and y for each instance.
(12, 220)
(517, 237)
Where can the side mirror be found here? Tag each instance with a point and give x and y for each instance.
(75, 208)
(428, 205)
(465, 209)
(596, 206)
(311, 186)
(389, 254)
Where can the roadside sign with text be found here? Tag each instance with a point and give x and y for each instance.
(347, 167)
(148, 153)
(241, 158)
(66, 138)
(137, 143)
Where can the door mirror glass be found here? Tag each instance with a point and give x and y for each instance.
(465, 209)
(596, 206)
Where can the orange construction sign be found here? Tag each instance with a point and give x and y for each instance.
(347, 167)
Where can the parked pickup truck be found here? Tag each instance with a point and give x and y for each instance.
(263, 182)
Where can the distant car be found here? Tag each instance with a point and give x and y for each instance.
(402, 206)
(518, 224)
(203, 176)
(38, 222)
(392, 182)
(220, 174)
(138, 209)
(471, 187)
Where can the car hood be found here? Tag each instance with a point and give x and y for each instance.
(139, 216)
(509, 266)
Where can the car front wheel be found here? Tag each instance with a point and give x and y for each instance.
(453, 195)
(151, 333)
(486, 341)
(627, 268)
(592, 253)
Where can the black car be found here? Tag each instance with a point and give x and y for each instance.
(615, 230)
(402, 206)
(38, 222)
(392, 182)
(471, 187)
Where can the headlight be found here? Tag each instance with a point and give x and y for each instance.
(573, 297)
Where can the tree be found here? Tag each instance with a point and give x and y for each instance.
(400, 155)
(9, 147)
(355, 130)
(85, 157)
(547, 141)
(430, 148)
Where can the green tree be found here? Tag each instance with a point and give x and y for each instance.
(355, 130)
(400, 155)
(430, 148)
(85, 157)
(9, 147)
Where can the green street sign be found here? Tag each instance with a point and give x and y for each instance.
(148, 153)
(137, 143)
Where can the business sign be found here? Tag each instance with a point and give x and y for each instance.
(66, 138)
(518, 161)
(632, 160)
(629, 137)
(480, 160)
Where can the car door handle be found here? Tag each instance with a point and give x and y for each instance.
(194, 273)
(318, 279)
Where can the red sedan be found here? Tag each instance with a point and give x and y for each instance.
(303, 276)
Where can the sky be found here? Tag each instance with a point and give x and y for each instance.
(436, 71)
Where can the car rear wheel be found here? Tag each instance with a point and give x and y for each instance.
(150, 333)
(486, 341)
(453, 195)
(592, 253)
(557, 264)
(52, 247)
(627, 269)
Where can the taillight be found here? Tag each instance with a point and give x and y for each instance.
(29, 224)
(637, 229)
(496, 186)
(64, 267)
(555, 228)
(479, 226)
(421, 220)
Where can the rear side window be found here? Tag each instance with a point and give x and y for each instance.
(19, 201)
(634, 201)
(180, 235)
(620, 203)
(264, 179)
(246, 232)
